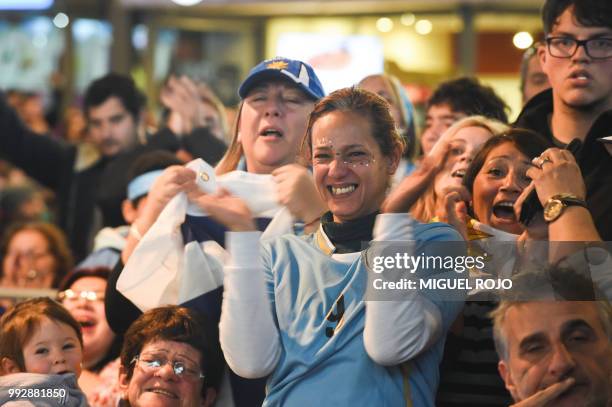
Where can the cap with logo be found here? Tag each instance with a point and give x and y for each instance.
(296, 71)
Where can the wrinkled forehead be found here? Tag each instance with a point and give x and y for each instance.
(550, 319)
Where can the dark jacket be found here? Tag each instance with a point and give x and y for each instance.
(63, 388)
(594, 160)
(51, 162)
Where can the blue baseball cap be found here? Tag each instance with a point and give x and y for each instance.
(298, 72)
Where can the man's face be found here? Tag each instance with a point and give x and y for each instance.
(438, 119)
(549, 342)
(579, 82)
(536, 80)
(111, 127)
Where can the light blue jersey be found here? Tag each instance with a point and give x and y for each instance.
(319, 308)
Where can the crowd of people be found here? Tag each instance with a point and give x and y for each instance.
(198, 265)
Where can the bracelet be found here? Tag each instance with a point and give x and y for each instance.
(135, 233)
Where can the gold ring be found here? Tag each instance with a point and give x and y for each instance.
(205, 177)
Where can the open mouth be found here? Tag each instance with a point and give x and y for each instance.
(271, 132)
(460, 173)
(342, 190)
(580, 75)
(162, 392)
(86, 323)
(504, 210)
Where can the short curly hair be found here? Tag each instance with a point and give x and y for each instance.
(178, 324)
(119, 86)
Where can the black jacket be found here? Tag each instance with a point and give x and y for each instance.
(594, 160)
(51, 162)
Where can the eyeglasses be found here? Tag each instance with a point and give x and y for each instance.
(29, 255)
(350, 158)
(71, 295)
(566, 47)
(151, 364)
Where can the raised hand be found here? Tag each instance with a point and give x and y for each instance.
(543, 397)
(225, 208)
(296, 190)
(452, 208)
(182, 97)
(556, 172)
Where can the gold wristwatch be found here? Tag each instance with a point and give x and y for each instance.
(556, 204)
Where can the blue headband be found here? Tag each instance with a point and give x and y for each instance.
(142, 184)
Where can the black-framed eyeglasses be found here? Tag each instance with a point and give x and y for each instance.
(566, 47)
(151, 364)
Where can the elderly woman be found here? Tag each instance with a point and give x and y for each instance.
(170, 357)
(35, 255)
(302, 303)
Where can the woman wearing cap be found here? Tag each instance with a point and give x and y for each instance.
(277, 97)
(300, 301)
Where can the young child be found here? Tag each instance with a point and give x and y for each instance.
(39, 340)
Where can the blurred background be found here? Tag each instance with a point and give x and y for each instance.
(49, 46)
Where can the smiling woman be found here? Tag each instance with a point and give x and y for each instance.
(170, 357)
(302, 303)
(82, 294)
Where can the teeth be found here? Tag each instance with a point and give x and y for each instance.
(164, 392)
(343, 190)
(507, 204)
(272, 132)
(459, 173)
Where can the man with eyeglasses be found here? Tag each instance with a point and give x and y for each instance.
(577, 57)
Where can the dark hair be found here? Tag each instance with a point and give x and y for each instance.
(178, 324)
(526, 141)
(100, 272)
(362, 103)
(19, 323)
(58, 245)
(150, 161)
(77, 274)
(469, 96)
(120, 86)
(589, 13)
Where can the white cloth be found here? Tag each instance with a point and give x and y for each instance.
(163, 270)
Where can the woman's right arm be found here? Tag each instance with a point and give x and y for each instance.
(249, 337)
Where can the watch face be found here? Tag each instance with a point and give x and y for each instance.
(553, 210)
